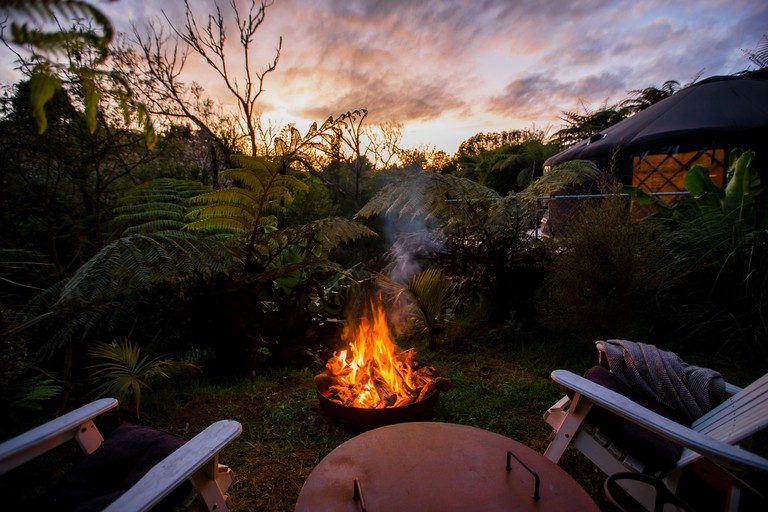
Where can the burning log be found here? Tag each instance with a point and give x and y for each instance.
(341, 382)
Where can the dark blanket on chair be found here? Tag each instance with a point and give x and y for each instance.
(122, 459)
(663, 376)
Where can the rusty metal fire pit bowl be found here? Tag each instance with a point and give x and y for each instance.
(362, 418)
(373, 382)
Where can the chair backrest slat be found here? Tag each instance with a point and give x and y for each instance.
(740, 416)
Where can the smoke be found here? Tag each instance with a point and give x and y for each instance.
(412, 243)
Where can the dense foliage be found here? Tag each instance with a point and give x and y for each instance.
(235, 245)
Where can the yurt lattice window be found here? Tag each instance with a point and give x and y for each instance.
(663, 172)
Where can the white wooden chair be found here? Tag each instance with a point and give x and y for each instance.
(196, 460)
(710, 442)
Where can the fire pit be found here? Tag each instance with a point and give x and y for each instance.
(374, 382)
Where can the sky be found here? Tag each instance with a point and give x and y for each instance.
(447, 70)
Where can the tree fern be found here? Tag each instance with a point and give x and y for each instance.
(426, 194)
(249, 209)
(140, 261)
(574, 172)
(158, 206)
(120, 276)
(250, 212)
(487, 242)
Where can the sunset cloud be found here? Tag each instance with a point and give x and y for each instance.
(448, 69)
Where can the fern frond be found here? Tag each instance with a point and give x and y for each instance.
(160, 205)
(229, 196)
(32, 393)
(80, 323)
(426, 194)
(44, 11)
(137, 213)
(157, 226)
(229, 225)
(138, 261)
(227, 210)
(307, 266)
(574, 172)
(510, 217)
(114, 280)
(313, 240)
(336, 231)
(254, 163)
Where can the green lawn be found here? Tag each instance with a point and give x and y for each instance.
(285, 433)
(504, 388)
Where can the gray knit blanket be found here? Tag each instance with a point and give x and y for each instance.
(662, 375)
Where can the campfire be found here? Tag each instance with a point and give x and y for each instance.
(373, 372)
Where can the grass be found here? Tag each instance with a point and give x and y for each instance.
(503, 387)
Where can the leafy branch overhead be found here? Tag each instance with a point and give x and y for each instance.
(42, 11)
(91, 36)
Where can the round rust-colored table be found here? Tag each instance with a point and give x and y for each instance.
(431, 466)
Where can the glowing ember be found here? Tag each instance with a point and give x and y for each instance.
(374, 372)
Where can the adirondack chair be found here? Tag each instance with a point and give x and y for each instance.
(195, 461)
(711, 441)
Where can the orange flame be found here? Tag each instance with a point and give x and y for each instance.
(373, 372)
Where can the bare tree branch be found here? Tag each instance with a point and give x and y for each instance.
(161, 58)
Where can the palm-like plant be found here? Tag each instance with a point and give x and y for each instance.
(759, 56)
(123, 372)
(582, 126)
(644, 98)
(429, 294)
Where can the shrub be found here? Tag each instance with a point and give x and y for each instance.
(610, 274)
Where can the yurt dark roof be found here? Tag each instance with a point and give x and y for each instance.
(721, 108)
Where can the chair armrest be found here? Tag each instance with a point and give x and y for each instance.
(719, 451)
(75, 424)
(197, 459)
